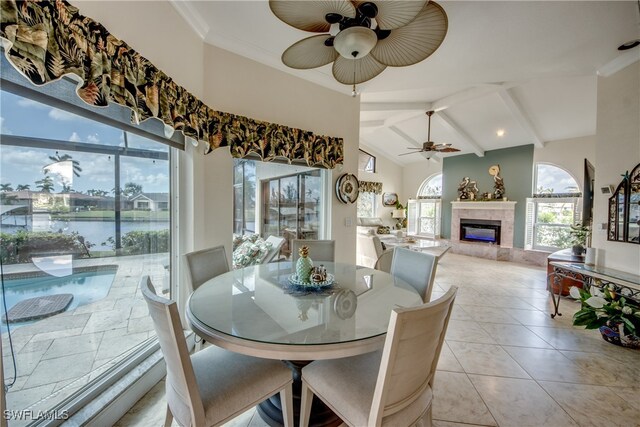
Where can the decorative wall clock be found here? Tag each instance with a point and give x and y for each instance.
(347, 188)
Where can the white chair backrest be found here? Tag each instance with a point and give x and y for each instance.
(319, 250)
(384, 261)
(410, 355)
(183, 396)
(368, 249)
(206, 264)
(276, 244)
(416, 268)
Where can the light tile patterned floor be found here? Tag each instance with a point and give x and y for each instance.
(58, 355)
(506, 361)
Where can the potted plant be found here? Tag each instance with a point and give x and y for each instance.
(617, 317)
(579, 234)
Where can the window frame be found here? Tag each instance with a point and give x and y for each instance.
(372, 158)
(532, 225)
(73, 403)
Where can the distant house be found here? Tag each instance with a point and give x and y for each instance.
(150, 201)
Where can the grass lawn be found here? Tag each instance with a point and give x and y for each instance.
(110, 215)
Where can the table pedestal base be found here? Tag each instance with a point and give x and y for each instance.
(271, 409)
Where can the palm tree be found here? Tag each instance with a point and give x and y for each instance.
(65, 157)
(22, 187)
(45, 184)
(6, 187)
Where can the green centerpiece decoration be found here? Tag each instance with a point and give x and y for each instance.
(304, 265)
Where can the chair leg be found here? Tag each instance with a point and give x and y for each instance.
(286, 400)
(305, 406)
(168, 418)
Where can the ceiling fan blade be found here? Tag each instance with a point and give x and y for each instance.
(310, 15)
(309, 53)
(395, 14)
(447, 150)
(356, 71)
(413, 152)
(415, 41)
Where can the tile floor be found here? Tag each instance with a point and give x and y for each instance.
(58, 355)
(505, 362)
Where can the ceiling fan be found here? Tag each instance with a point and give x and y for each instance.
(361, 38)
(429, 145)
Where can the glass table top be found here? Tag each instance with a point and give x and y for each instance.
(251, 304)
(600, 272)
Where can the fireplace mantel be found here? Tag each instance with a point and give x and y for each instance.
(484, 205)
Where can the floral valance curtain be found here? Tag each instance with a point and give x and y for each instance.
(370, 187)
(46, 40)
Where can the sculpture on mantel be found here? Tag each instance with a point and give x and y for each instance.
(498, 182)
(467, 189)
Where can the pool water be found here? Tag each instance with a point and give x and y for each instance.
(86, 288)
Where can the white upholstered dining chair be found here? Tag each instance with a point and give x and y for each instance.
(384, 261)
(319, 250)
(416, 268)
(392, 387)
(214, 385)
(205, 264)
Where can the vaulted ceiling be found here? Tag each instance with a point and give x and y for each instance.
(527, 67)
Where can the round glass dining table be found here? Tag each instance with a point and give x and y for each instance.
(256, 311)
(248, 311)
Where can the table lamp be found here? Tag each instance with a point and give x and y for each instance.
(399, 215)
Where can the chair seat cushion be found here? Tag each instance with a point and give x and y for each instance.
(351, 382)
(238, 381)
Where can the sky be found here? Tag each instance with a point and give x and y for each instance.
(19, 165)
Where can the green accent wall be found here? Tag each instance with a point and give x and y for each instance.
(516, 169)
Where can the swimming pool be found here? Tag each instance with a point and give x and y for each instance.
(85, 286)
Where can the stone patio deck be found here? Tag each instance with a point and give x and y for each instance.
(58, 355)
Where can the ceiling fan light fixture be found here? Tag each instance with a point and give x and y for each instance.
(355, 42)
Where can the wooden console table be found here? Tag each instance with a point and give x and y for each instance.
(564, 255)
(626, 284)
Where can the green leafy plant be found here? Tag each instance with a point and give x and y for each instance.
(579, 234)
(606, 306)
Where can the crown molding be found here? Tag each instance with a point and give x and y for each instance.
(619, 63)
(192, 17)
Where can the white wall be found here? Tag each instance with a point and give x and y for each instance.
(242, 86)
(617, 151)
(415, 173)
(568, 154)
(390, 175)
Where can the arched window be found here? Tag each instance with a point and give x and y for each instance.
(431, 187)
(424, 213)
(554, 207)
(551, 179)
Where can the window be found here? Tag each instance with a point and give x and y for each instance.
(423, 214)
(279, 199)
(366, 205)
(431, 188)
(71, 227)
(554, 207)
(244, 196)
(366, 162)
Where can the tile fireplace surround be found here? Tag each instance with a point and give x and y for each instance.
(496, 211)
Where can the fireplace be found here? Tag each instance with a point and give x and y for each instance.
(480, 230)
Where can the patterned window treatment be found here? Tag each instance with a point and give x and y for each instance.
(370, 187)
(49, 39)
